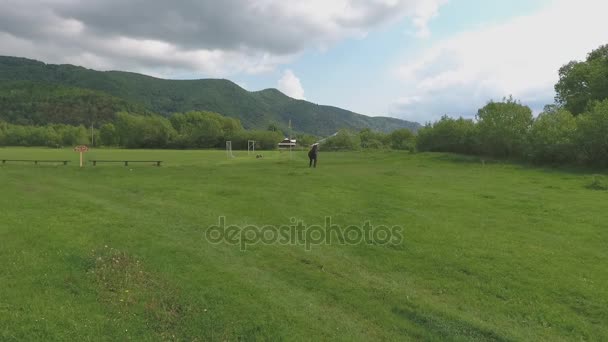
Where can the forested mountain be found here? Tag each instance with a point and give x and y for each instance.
(80, 91)
(33, 103)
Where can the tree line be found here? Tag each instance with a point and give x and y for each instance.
(508, 130)
(347, 140)
(573, 130)
(129, 130)
(190, 130)
(49, 135)
(182, 131)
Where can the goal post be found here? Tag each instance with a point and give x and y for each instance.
(229, 150)
(250, 146)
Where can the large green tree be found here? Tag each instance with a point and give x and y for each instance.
(402, 139)
(138, 131)
(503, 128)
(552, 137)
(449, 135)
(592, 137)
(108, 134)
(204, 129)
(582, 83)
(373, 139)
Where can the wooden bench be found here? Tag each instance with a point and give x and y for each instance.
(35, 161)
(126, 162)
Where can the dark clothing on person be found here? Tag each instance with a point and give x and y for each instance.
(312, 155)
(313, 160)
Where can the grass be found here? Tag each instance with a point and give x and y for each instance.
(494, 252)
(598, 182)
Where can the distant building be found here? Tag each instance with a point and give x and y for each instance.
(287, 143)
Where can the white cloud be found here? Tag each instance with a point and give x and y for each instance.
(520, 57)
(290, 85)
(207, 37)
(424, 12)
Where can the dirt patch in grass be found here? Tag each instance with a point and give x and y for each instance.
(127, 289)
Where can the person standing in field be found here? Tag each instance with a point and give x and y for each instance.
(312, 155)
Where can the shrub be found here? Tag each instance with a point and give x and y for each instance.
(449, 135)
(592, 137)
(108, 135)
(137, 131)
(503, 128)
(552, 137)
(373, 140)
(345, 140)
(402, 139)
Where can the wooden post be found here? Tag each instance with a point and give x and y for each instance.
(81, 150)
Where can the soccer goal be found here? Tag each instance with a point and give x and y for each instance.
(229, 149)
(250, 146)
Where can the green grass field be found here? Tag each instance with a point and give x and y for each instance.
(489, 252)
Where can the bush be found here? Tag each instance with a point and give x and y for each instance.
(50, 135)
(552, 137)
(137, 131)
(108, 135)
(344, 140)
(449, 135)
(203, 129)
(402, 139)
(373, 140)
(592, 137)
(503, 128)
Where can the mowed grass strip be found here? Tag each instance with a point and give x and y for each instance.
(492, 252)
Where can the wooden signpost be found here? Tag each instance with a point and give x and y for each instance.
(82, 149)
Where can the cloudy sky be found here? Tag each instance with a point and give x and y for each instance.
(411, 59)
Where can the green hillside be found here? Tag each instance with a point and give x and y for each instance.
(32, 103)
(254, 109)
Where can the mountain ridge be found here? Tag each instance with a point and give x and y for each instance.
(255, 109)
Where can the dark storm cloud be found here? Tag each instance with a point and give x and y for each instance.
(280, 27)
(207, 35)
(227, 24)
